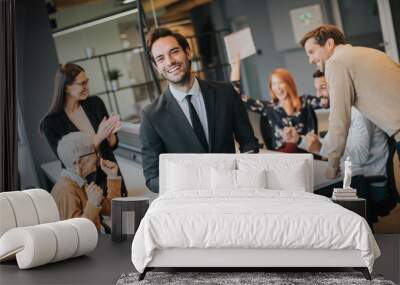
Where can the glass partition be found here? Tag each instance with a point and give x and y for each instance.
(106, 40)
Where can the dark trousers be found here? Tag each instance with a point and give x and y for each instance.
(398, 149)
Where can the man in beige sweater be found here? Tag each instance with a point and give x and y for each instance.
(357, 76)
(73, 196)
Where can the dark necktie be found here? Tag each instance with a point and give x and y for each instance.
(197, 127)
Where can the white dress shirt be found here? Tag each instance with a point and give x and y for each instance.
(197, 101)
(366, 145)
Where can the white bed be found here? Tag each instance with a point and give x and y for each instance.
(203, 219)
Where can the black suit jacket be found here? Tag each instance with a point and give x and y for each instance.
(165, 128)
(55, 126)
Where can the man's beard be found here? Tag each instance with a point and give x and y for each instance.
(185, 77)
(182, 81)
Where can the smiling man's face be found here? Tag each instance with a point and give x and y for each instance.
(317, 54)
(171, 61)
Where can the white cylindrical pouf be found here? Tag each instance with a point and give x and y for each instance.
(23, 208)
(7, 218)
(67, 240)
(34, 245)
(40, 247)
(45, 205)
(87, 235)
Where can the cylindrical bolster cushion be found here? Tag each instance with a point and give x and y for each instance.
(41, 244)
(45, 205)
(34, 245)
(7, 218)
(23, 208)
(67, 240)
(87, 234)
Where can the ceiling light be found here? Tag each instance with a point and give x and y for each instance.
(94, 23)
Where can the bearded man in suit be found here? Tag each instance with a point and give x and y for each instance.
(193, 115)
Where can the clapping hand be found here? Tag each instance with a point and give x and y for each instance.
(94, 194)
(116, 121)
(109, 167)
(313, 143)
(107, 128)
(290, 135)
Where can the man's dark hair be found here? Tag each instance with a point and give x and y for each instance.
(318, 74)
(323, 33)
(154, 34)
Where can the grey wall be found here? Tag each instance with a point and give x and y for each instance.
(279, 12)
(271, 28)
(36, 65)
(296, 60)
(258, 19)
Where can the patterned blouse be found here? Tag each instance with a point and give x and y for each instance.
(303, 121)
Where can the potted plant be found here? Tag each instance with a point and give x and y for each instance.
(113, 76)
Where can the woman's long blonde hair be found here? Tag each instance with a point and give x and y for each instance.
(285, 76)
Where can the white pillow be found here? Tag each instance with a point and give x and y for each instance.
(186, 174)
(182, 177)
(281, 174)
(226, 179)
(251, 178)
(292, 180)
(223, 179)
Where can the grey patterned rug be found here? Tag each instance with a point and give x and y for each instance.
(242, 278)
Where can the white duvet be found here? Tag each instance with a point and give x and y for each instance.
(253, 218)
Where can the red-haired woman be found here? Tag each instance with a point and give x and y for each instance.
(287, 109)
